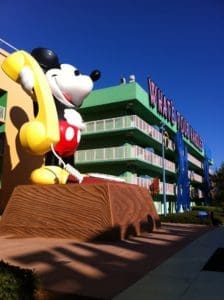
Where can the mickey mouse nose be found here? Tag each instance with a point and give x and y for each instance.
(95, 75)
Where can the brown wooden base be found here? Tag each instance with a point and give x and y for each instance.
(84, 212)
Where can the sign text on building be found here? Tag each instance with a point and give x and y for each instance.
(166, 109)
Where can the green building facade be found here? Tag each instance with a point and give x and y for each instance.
(123, 138)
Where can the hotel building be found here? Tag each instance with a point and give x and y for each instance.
(138, 136)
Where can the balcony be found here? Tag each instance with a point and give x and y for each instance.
(146, 181)
(126, 122)
(195, 177)
(195, 161)
(123, 153)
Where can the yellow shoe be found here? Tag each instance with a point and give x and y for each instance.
(49, 175)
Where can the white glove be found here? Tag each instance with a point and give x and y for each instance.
(27, 79)
(74, 118)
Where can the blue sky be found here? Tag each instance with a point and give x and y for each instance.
(180, 44)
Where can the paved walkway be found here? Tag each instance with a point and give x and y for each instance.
(106, 270)
(181, 277)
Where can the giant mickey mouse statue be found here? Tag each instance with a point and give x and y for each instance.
(69, 88)
(57, 90)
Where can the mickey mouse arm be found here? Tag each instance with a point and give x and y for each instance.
(38, 135)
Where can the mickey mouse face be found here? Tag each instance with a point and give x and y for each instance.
(68, 85)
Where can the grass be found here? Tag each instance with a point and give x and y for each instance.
(17, 283)
(193, 216)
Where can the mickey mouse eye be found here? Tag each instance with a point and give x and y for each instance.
(77, 72)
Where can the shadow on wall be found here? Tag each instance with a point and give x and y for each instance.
(20, 174)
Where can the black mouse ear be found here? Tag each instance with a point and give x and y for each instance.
(46, 58)
(95, 75)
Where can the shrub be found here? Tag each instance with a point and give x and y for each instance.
(215, 209)
(193, 216)
(17, 283)
(190, 217)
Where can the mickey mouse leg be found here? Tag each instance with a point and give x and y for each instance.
(51, 159)
(50, 173)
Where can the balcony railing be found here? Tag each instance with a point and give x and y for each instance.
(145, 182)
(126, 122)
(125, 152)
(194, 161)
(195, 177)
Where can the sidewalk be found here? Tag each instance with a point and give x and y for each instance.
(181, 277)
(104, 270)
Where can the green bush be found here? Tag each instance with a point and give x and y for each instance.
(215, 209)
(190, 217)
(17, 283)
